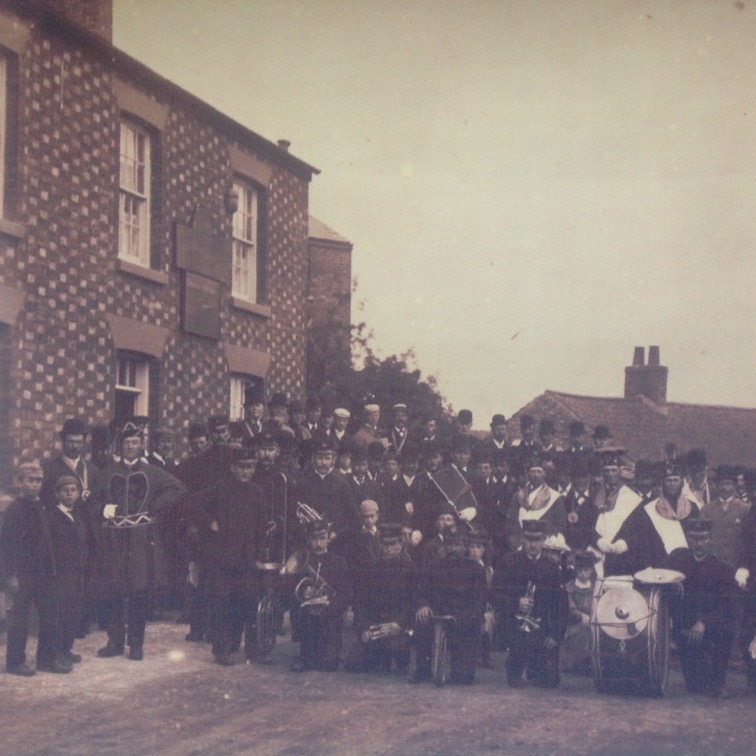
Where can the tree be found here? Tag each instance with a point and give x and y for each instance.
(351, 377)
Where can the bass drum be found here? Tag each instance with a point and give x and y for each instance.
(630, 636)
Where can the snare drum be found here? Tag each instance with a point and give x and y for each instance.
(630, 632)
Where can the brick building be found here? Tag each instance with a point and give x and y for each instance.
(643, 420)
(153, 252)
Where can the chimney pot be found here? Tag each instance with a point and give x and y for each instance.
(639, 356)
(653, 355)
(284, 144)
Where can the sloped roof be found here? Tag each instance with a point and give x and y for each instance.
(727, 433)
(318, 230)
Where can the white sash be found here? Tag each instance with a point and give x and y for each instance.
(609, 523)
(529, 514)
(670, 531)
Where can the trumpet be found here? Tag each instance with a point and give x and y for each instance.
(312, 591)
(383, 630)
(527, 622)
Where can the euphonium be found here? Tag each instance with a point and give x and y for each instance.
(312, 591)
(527, 622)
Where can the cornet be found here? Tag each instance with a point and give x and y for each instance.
(307, 514)
(384, 630)
(527, 622)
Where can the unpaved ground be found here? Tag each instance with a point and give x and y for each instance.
(177, 702)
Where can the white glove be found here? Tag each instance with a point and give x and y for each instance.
(752, 648)
(416, 537)
(604, 545)
(109, 512)
(620, 547)
(468, 514)
(409, 507)
(741, 576)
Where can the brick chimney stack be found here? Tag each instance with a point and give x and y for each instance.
(94, 15)
(649, 380)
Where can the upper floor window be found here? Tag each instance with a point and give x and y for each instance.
(134, 199)
(245, 278)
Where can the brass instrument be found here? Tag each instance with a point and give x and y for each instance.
(312, 591)
(527, 622)
(383, 630)
(276, 535)
(307, 514)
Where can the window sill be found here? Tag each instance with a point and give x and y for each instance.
(155, 276)
(12, 228)
(255, 309)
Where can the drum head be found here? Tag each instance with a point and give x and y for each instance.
(659, 576)
(622, 613)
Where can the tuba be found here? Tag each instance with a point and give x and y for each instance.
(527, 623)
(273, 552)
(312, 591)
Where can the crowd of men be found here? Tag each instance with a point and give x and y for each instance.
(318, 515)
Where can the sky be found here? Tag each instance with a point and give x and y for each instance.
(532, 188)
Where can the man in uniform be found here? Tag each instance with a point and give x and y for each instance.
(451, 585)
(529, 599)
(654, 530)
(132, 497)
(704, 620)
(326, 491)
(324, 594)
(383, 610)
(231, 519)
(745, 578)
(614, 502)
(535, 501)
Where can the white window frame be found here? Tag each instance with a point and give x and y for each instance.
(134, 197)
(245, 243)
(238, 386)
(133, 377)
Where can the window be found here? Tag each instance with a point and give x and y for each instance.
(240, 385)
(244, 279)
(236, 410)
(132, 387)
(134, 196)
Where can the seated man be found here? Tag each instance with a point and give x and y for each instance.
(451, 585)
(704, 620)
(324, 590)
(528, 596)
(383, 607)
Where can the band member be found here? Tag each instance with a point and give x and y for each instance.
(452, 585)
(131, 563)
(528, 597)
(368, 432)
(478, 543)
(397, 438)
(578, 502)
(615, 502)
(324, 590)
(327, 492)
(727, 513)
(383, 608)
(704, 620)
(745, 578)
(362, 548)
(535, 501)
(653, 531)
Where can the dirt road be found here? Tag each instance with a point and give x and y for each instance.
(177, 702)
